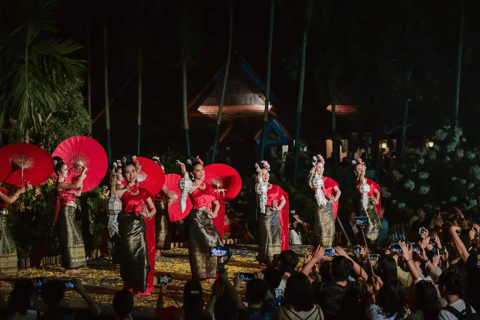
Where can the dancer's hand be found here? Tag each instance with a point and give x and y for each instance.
(29, 186)
(377, 283)
(237, 281)
(181, 165)
(21, 190)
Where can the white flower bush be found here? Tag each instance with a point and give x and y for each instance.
(424, 189)
(423, 175)
(385, 192)
(438, 176)
(409, 185)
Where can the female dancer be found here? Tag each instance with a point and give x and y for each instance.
(274, 215)
(131, 246)
(8, 250)
(369, 202)
(163, 199)
(71, 241)
(202, 233)
(327, 194)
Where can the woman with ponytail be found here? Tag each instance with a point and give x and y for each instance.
(273, 217)
(131, 245)
(71, 241)
(327, 194)
(8, 249)
(202, 233)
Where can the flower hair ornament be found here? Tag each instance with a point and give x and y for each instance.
(55, 162)
(137, 164)
(318, 158)
(199, 160)
(117, 164)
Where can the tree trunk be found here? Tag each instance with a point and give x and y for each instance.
(269, 78)
(107, 107)
(459, 62)
(405, 114)
(334, 134)
(139, 120)
(224, 89)
(299, 106)
(89, 72)
(185, 107)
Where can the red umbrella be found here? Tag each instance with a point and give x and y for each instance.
(22, 162)
(224, 179)
(174, 212)
(83, 151)
(151, 176)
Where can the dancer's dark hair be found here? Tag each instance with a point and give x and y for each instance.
(58, 162)
(191, 163)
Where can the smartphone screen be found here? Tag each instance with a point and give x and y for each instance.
(218, 251)
(433, 240)
(396, 248)
(361, 221)
(329, 252)
(356, 250)
(247, 276)
(164, 279)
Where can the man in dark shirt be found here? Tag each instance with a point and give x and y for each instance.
(339, 297)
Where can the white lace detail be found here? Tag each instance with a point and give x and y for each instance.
(364, 190)
(318, 183)
(185, 185)
(261, 188)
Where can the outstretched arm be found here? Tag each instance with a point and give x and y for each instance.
(14, 197)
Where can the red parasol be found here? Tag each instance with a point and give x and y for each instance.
(22, 162)
(83, 151)
(225, 179)
(151, 176)
(174, 212)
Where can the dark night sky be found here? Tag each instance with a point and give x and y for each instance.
(153, 28)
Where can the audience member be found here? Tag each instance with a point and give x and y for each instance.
(123, 305)
(451, 286)
(426, 305)
(299, 301)
(261, 305)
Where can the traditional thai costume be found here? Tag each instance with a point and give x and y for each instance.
(203, 233)
(325, 211)
(72, 247)
(367, 208)
(163, 234)
(134, 247)
(8, 250)
(273, 234)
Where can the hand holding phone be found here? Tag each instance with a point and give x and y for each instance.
(167, 278)
(247, 276)
(329, 252)
(361, 221)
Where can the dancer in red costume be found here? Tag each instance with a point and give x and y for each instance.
(204, 222)
(273, 215)
(327, 194)
(133, 246)
(8, 249)
(370, 200)
(72, 246)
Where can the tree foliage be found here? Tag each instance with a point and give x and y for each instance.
(34, 68)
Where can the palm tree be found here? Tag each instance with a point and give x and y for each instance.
(107, 105)
(190, 35)
(269, 79)
(459, 62)
(32, 69)
(224, 89)
(139, 120)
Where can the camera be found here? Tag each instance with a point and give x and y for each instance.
(422, 230)
(162, 280)
(357, 250)
(361, 221)
(329, 252)
(433, 241)
(415, 247)
(396, 248)
(219, 251)
(40, 281)
(279, 296)
(69, 284)
(247, 276)
(442, 250)
(374, 256)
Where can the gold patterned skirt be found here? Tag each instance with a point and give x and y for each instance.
(8, 250)
(270, 236)
(324, 226)
(202, 234)
(132, 251)
(162, 227)
(72, 247)
(374, 224)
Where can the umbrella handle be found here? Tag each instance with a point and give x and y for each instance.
(22, 179)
